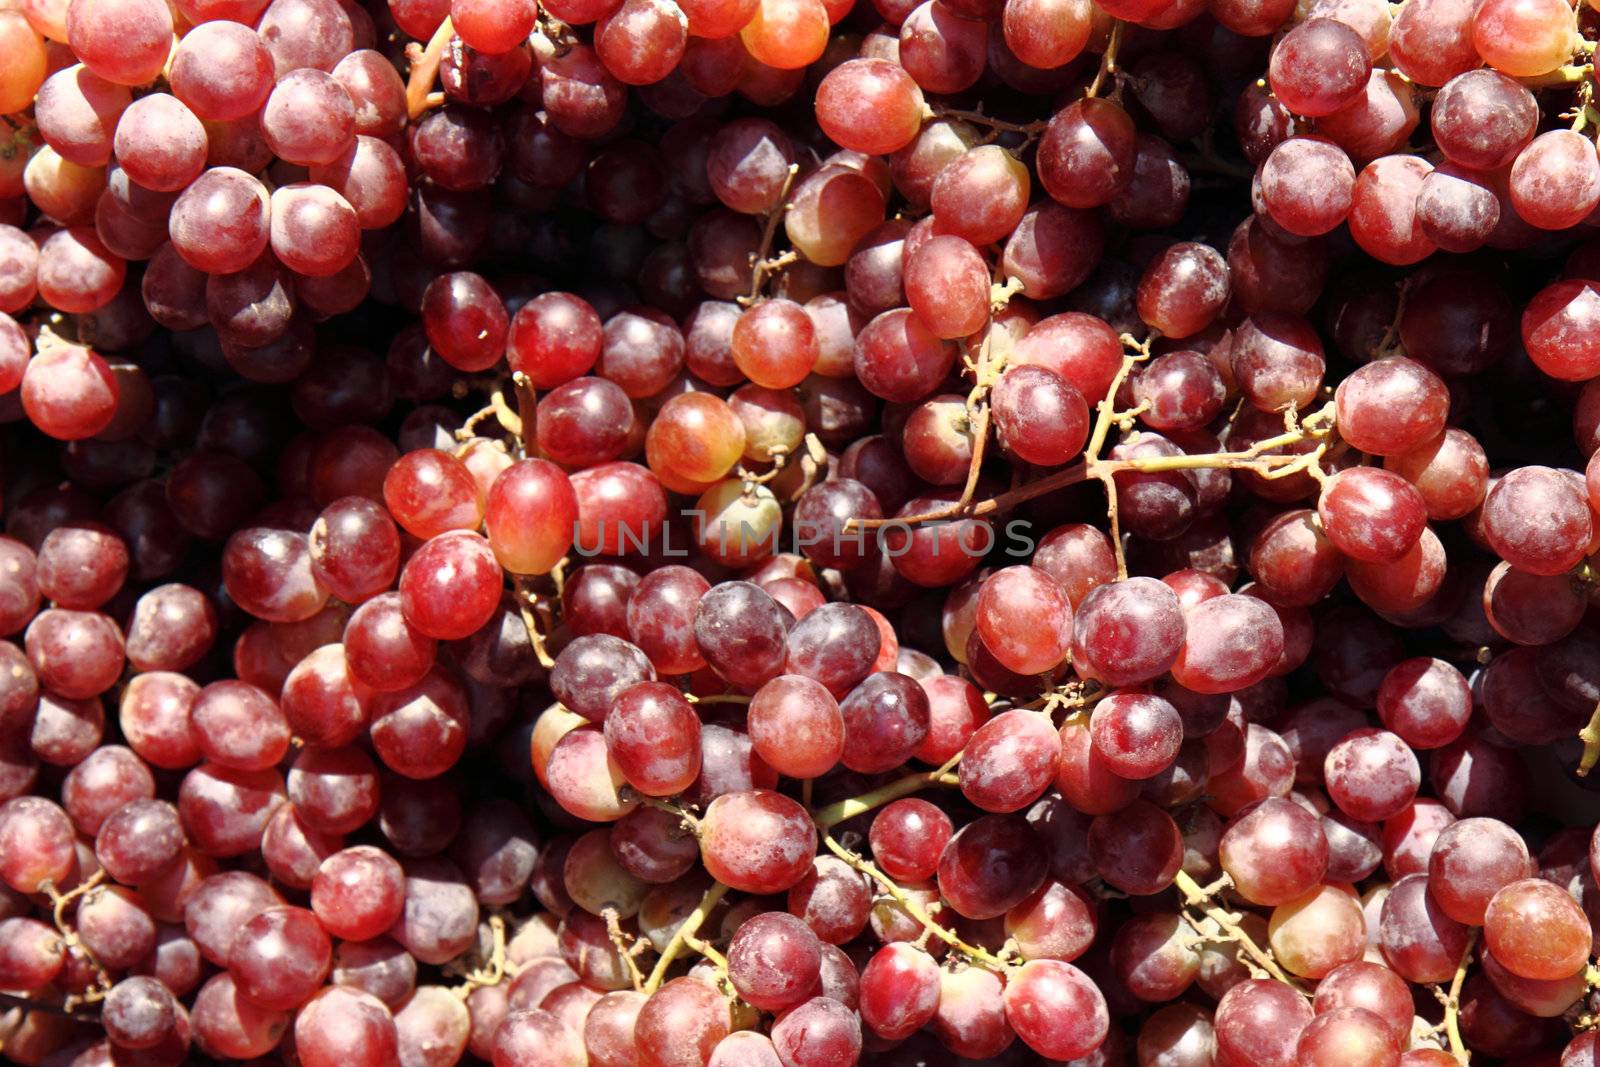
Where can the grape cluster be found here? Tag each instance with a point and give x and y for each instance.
(796, 533)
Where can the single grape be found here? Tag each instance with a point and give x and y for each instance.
(1056, 1009)
(1533, 927)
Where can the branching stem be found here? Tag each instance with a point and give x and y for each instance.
(625, 945)
(527, 601)
(69, 936)
(683, 935)
(493, 972)
(1106, 417)
(1317, 426)
(706, 949)
(912, 908)
(764, 264)
(425, 70)
(1199, 897)
(686, 817)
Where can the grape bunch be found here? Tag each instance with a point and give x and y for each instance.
(799, 533)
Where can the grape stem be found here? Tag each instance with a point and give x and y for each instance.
(1200, 897)
(762, 263)
(978, 118)
(69, 937)
(1106, 415)
(1000, 294)
(55, 332)
(16, 1000)
(813, 461)
(1583, 113)
(706, 949)
(527, 601)
(425, 69)
(751, 479)
(494, 971)
(496, 408)
(558, 33)
(1318, 425)
(912, 908)
(683, 935)
(1108, 61)
(1591, 980)
(685, 816)
(834, 814)
(624, 944)
(1079, 695)
(985, 373)
(717, 698)
(1571, 74)
(526, 415)
(1389, 343)
(1452, 1001)
(1590, 736)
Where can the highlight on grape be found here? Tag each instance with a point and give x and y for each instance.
(799, 533)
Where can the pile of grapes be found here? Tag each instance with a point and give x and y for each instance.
(799, 533)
